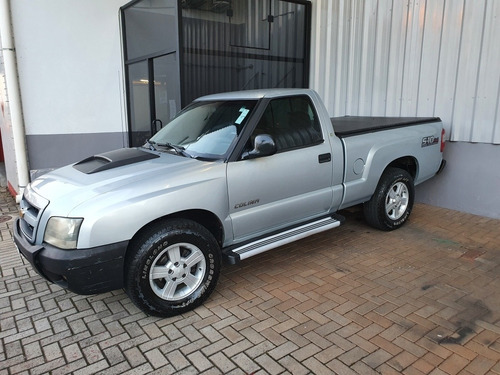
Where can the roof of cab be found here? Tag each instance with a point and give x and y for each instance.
(254, 94)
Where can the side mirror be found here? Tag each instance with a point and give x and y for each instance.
(263, 145)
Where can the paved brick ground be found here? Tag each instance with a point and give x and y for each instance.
(421, 300)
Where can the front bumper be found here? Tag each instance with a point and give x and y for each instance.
(83, 271)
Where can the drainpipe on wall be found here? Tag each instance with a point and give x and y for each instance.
(14, 96)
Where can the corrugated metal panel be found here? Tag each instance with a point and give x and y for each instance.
(411, 58)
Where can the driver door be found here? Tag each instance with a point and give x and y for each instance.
(295, 184)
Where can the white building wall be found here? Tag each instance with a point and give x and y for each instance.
(69, 54)
(69, 60)
(411, 58)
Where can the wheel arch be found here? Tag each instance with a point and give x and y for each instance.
(407, 163)
(205, 218)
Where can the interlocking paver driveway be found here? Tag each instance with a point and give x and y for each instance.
(424, 299)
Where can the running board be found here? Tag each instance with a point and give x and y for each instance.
(234, 254)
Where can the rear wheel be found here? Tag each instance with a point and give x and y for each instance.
(172, 268)
(392, 202)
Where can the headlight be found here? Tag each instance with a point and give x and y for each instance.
(62, 232)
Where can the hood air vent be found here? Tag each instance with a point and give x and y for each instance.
(113, 159)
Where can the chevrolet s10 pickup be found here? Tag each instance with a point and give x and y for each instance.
(231, 176)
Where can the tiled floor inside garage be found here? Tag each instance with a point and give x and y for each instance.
(424, 299)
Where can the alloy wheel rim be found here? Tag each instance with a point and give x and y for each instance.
(177, 271)
(396, 201)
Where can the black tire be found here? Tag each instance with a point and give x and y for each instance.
(392, 202)
(172, 267)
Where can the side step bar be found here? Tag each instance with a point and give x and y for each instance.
(236, 253)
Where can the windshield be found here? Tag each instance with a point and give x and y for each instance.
(205, 129)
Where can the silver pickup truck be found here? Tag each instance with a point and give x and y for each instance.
(231, 176)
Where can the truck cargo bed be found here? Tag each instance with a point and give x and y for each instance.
(346, 126)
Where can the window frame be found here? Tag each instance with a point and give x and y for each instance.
(258, 113)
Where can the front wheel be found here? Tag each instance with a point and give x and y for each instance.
(392, 202)
(172, 267)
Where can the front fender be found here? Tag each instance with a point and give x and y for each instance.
(118, 216)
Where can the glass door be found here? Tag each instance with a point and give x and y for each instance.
(166, 89)
(154, 96)
(139, 103)
(151, 44)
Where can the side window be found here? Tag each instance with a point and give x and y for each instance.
(292, 122)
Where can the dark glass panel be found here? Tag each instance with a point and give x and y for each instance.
(166, 87)
(150, 26)
(139, 103)
(251, 44)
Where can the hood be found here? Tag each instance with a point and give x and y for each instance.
(124, 169)
(113, 159)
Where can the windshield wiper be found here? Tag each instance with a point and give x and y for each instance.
(178, 149)
(151, 145)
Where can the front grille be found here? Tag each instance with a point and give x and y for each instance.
(29, 220)
(32, 206)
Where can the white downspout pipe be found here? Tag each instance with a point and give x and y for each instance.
(14, 96)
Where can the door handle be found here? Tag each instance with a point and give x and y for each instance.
(325, 158)
(154, 126)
